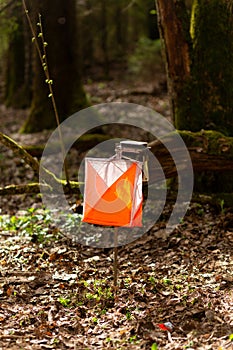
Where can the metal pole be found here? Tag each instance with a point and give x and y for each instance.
(115, 258)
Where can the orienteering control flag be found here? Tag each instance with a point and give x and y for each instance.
(113, 192)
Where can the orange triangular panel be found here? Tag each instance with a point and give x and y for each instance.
(119, 204)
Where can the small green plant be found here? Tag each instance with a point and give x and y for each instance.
(103, 312)
(178, 286)
(181, 220)
(101, 85)
(94, 319)
(221, 203)
(33, 223)
(127, 282)
(92, 296)
(99, 290)
(167, 281)
(190, 345)
(154, 346)
(133, 339)
(64, 301)
(128, 315)
(152, 280)
(200, 209)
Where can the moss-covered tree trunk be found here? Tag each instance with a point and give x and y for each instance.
(199, 56)
(173, 24)
(212, 69)
(59, 28)
(199, 67)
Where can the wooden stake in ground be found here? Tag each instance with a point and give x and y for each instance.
(115, 258)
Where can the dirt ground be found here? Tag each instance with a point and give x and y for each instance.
(57, 294)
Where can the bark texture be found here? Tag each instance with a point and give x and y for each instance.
(212, 69)
(173, 23)
(60, 32)
(199, 66)
(209, 151)
(17, 84)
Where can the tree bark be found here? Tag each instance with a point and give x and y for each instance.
(60, 32)
(199, 66)
(209, 151)
(104, 37)
(173, 24)
(212, 69)
(200, 70)
(17, 87)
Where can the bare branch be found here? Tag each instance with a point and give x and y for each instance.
(32, 188)
(35, 188)
(19, 151)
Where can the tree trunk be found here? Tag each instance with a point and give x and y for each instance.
(59, 28)
(200, 70)
(120, 37)
(212, 69)
(121, 42)
(17, 89)
(173, 23)
(87, 23)
(199, 67)
(104, 37)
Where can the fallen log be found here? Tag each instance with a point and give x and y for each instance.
(209, 151)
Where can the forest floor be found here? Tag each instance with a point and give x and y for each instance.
(57, 294)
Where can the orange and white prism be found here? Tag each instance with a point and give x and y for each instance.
(113, 192)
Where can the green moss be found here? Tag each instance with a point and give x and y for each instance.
(205, 101)
(213, 143)
(218, 143)
(210, 141)
(212, 69)
(193, 19)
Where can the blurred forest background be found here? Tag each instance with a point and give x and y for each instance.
(179, 52)
(175, 57)
(87, 41)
